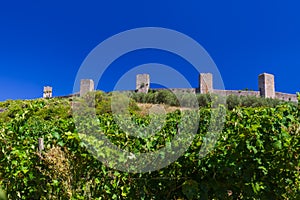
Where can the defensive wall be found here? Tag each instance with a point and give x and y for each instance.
(266, 88)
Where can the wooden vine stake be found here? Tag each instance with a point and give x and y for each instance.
(41, 144)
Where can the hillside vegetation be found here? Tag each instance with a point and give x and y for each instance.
(255, 157)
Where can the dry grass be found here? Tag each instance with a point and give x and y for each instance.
(147, 108)
(58, 169)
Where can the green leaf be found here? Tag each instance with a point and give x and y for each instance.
(277, 144)
(56, 135)
(190, 189)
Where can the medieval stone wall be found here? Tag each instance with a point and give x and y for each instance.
(286, 97)
(206, 83)
(266, 84)
(236, 92)
(142, 83)
(86, 85)
(179, 90)
(47, 92)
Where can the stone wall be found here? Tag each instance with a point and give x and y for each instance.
(205, 83)
(266, 88)
(47, 92)
(266, 85)
(179, 90)
(86, 85)
(142, 83)
(236, 92)
(286, 97)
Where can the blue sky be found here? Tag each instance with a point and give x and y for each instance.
(45, 42)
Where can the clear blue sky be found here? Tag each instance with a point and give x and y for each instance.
(45, 42)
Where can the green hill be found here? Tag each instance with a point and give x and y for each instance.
(255, 157)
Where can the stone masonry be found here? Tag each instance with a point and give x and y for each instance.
(47, 92)
(206, 83)
(265, 81)
(142, 83)
(86, 85)
(266, 85)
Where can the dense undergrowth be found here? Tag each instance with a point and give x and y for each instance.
(204, 100)
(255, 157)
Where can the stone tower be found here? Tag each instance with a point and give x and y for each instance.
(266, 84)
(142, 83)
(47, 92)
(206, 83)
(86, 85)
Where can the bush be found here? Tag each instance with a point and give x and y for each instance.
(255, 157)
(234, 101)
(102, 102)
(204, 100)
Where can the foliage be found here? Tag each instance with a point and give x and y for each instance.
(2, 195)
(204, 100)
(103, 102)
(256, 156)
(234, 101)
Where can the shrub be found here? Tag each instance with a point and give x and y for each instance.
(255, 157)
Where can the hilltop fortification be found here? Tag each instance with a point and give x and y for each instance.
(266, 88)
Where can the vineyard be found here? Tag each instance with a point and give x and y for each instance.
(255, 157)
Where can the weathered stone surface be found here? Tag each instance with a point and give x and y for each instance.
(179, 90)
(206, 83)
(86, 85)
(142, 83)
(47, 92)
(286, 97)
(236, 92)
(266, 84)
(266, 88)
